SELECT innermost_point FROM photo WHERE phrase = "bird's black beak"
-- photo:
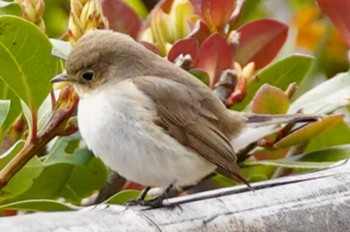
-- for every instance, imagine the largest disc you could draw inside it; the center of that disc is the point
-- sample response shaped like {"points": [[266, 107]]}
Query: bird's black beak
{"points": [[62, 77]]}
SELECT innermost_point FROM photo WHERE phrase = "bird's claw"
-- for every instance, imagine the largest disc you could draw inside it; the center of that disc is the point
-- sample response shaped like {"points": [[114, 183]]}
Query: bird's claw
{"points": [[134, 202], [153, 203]]}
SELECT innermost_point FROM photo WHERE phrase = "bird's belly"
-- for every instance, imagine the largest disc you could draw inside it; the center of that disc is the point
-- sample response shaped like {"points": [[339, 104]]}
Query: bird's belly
{"points": [[121, 131]]}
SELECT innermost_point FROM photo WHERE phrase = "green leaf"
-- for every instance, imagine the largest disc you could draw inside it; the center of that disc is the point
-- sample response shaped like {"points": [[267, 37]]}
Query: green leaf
{"points": [[270, 100], [26, 61], [15, 107], [280, 74], [122, 197], [65, 150], [39, 205], [73, 176], [4, 109], [27, 113], [10, 8], [222, 181], [82, 166], [45, 112], [46, 185], [288, 163], [309, 131], [330, 154], [257, 172], [23, 180], [313, 160], [300, 4], [330, 138], [10, 153], [179, 17], [84, 179], [325, 97], [201, 75]]}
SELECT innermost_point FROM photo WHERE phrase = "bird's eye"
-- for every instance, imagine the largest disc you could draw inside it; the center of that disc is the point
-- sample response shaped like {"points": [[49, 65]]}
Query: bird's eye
{"points": [[88, 75]]}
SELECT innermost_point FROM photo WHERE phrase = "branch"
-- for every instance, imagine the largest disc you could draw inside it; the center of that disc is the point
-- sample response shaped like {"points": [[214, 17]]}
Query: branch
{"points": [[316, 201], [55, 126]]}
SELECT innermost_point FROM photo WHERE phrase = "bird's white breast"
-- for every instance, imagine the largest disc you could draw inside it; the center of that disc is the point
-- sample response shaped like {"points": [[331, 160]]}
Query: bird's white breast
{"points": [[117, 124]]}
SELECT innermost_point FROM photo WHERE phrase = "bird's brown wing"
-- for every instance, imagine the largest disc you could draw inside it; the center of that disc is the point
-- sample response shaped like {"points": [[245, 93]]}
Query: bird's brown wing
{"points": [[185, 114]]}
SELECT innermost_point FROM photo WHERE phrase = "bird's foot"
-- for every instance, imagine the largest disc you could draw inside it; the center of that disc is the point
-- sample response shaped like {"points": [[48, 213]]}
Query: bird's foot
{"points": [[134, 202], [156, 202], [140, 199], [153, 203]]}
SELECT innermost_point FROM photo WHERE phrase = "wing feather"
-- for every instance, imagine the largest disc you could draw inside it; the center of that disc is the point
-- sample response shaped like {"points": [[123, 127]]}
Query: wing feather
{"points": [[187, 115]]}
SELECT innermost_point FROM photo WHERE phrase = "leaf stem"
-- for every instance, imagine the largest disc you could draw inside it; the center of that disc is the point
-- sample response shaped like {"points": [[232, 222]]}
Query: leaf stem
{"points": [[34, 129]]}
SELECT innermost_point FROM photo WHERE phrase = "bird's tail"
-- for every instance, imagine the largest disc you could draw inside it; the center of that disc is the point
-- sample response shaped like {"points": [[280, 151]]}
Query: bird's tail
{"points": [[261, 125], [272, 119]]}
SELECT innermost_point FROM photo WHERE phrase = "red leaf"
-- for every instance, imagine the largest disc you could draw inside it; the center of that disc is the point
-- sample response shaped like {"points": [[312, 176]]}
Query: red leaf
{"points": [[259, 41], [196, 6], [270, 100], [217, 12], [338, 12], [150, 47], [133, 185], [214, 56], [200, 31], [184, 46], [10, 212], [121, 17], [165, 5]]}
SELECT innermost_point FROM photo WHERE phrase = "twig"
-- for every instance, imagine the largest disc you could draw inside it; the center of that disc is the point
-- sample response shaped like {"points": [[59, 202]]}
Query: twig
{"points": [[55, 126]]}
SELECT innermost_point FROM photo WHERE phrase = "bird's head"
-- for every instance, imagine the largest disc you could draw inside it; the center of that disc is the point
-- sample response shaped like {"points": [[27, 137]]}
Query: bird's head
{"points": [[103, 56]]}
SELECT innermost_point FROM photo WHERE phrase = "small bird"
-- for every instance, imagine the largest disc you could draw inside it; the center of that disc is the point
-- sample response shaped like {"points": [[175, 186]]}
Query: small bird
{"points": [[148, 119]]}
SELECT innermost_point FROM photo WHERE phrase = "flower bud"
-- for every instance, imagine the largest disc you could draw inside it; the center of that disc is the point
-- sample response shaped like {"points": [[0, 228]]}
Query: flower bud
{"points": [[33, 10], [85, 15]]}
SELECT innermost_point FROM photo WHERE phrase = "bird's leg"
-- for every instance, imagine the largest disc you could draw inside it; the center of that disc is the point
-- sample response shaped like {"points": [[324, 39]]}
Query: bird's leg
{"points": [[158, 201], [140, 198]]}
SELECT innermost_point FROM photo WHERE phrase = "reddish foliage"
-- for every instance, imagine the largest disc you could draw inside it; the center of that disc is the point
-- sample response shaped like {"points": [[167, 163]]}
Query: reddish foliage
{"points": [[121, 17], [196, 6], [10, 212], [214, 56], [201, 31], [165, 5], [338, 12], [237, 96], [133, 185], [185, 46], [270, 100], [217, 12], [259, 41], [150, 47]]}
